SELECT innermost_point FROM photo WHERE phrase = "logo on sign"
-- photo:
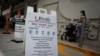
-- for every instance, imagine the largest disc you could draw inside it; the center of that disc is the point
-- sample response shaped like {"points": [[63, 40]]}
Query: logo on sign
{"points": [[42, 19]]}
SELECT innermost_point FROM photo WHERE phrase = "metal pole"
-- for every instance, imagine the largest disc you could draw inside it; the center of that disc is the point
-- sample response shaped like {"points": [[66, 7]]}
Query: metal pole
{"points": [[98, 32], [83, 16], [82, 32], [0, 10], [10, 11], [26, 3], [2, 6]]}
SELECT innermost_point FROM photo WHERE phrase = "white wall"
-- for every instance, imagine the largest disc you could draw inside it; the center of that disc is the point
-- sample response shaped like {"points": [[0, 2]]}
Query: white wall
{"points": [[72, 8], [53, 5], [50, 7], [42, 3], [6, 11]]}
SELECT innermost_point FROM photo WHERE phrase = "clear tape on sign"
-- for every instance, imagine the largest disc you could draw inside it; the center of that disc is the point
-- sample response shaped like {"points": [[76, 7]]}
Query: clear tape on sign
{"points": [[43, 11], [30, 9]]}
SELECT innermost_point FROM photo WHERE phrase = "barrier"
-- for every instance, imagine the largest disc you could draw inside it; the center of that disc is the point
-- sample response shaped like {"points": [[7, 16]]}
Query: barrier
{"points": [[19, 28]]}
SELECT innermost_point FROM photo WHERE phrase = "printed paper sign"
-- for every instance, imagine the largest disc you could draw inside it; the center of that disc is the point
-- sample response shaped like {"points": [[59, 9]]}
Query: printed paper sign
{"points": [[19, 30], [41, 35]]}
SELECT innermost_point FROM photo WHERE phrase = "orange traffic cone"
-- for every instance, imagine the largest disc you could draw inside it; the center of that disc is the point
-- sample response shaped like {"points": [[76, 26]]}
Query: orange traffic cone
{"points": [[7, 25]]}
